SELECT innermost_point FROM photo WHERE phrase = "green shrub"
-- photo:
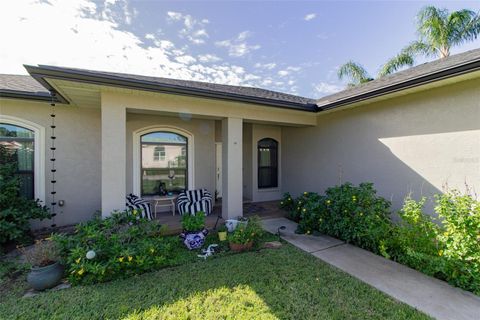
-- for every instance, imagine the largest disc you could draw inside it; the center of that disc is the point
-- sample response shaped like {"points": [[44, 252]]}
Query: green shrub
{"points": [[193, 222], [124, 245], [288, 204], [353, 214], [15, 211], [444, 244], [448, 247], [245, 232], [415, 239], [297, 207]]}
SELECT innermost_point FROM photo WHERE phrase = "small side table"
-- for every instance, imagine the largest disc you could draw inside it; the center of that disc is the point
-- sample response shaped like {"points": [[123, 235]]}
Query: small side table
{"points": [[165, 202]]}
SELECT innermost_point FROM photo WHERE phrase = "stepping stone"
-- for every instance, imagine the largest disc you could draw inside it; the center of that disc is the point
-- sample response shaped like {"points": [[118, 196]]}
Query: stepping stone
{"points": [[272, 245], [32, 293]]}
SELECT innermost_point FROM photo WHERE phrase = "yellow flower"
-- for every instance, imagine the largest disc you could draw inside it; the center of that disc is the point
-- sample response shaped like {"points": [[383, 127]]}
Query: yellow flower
{"points": [[130, 258], [305, 193], [308, 231], [78, 260], [121, 259], [81, 271], [328, 201], [152, 250], [304, 210], [289, 199], [440, 253]]}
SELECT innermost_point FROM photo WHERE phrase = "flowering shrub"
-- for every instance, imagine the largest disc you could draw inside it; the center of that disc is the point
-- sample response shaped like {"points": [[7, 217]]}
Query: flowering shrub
{"points": [[356, 215], [123, 245], [447, 247], [445, 244], [288, 204], [353, 214], [251, 231]]}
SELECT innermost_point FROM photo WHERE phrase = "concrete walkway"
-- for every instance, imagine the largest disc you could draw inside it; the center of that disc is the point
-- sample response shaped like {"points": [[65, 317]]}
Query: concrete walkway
{"points": [[429, 295]]}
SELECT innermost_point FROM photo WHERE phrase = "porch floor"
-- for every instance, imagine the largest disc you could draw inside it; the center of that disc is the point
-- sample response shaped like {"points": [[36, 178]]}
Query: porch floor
{"points": [[265, 210]]}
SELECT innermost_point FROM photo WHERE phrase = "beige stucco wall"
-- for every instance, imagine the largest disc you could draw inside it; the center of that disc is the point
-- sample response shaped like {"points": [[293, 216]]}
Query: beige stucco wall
{"points": [[415, 143], [203, 131], [78, 156]]}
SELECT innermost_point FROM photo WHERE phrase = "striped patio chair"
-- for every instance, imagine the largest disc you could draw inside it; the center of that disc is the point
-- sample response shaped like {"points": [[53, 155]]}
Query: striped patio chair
{"points": [[192, 201], [136, 203]]}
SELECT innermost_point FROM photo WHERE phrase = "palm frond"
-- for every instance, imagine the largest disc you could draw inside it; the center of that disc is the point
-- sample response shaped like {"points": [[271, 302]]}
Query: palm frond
{"points": [[416, 48], [432, 27], [463, 26], [401, 60], [354, 71]]}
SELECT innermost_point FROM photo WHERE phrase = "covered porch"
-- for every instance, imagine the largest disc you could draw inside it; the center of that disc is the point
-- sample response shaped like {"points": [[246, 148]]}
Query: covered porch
{"points": [[232, 150], [265, 210], [228, 140]]}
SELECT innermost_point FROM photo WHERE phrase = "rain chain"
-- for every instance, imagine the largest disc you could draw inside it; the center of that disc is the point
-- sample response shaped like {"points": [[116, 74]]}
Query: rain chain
{"points": [[53, 169]]}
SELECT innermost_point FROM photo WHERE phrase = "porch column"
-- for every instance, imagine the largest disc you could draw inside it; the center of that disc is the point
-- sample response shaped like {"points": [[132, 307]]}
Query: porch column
{"points": [[113, 156], [232, 192]]}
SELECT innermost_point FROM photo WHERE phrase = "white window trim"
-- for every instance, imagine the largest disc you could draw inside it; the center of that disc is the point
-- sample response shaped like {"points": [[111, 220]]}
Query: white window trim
{"points": [[137, 154], [39, 145]]}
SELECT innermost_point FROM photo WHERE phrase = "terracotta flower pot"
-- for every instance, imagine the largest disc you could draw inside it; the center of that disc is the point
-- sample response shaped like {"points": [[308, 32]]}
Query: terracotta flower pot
{"points": [[239, 247]]}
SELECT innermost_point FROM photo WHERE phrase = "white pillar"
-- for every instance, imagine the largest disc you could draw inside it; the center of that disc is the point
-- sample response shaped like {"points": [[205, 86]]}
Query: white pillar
{"points": [[113, 157], [232, 193]]}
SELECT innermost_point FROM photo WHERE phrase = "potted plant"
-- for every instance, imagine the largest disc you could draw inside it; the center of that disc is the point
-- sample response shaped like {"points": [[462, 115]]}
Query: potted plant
{"points": [[46, 271], [222, 233], [194, 231], [245, 235]]}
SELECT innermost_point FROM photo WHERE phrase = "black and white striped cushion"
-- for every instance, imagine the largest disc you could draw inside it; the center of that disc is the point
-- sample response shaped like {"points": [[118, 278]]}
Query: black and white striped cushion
{"points": [[192, 201], [136, 203]]}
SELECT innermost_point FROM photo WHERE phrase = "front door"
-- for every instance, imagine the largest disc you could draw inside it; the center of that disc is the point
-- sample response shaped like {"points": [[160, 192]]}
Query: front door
{"points": [[218, 176]]}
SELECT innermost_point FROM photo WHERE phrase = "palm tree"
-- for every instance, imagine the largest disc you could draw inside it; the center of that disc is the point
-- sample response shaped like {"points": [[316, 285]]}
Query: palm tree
{"points": [[438, 32], [355, 72]]}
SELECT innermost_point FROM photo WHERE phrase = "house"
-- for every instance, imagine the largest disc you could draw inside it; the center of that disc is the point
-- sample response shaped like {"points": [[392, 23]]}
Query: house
{"points": [[415, 131]]}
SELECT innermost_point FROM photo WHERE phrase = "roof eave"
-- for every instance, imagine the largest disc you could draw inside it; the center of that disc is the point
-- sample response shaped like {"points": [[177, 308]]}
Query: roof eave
{"points": [[458, 70], [15, 94], [40, 73]]}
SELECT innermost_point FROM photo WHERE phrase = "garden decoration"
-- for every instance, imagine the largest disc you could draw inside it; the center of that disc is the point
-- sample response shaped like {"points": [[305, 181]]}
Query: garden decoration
{"points": [[194, 231], [208, 252], [222, 233], [194, 240], [53, 168]]}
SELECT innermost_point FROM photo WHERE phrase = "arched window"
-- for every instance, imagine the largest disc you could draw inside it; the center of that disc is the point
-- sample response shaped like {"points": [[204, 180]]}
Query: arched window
{"points": [[163, 163], [267, 163], [21, 144]]}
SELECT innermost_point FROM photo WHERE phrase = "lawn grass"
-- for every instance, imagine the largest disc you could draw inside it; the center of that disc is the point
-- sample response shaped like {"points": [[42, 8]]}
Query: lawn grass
{"points": [[283, 283]]}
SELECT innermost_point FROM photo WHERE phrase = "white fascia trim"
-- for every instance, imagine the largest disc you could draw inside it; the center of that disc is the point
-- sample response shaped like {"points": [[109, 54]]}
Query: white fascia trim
{"points": [[39, 144], [137, 150]]}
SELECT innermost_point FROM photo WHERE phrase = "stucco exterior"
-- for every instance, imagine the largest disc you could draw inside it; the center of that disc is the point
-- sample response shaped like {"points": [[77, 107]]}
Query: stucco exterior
{"points": [[78, 157], [417, 143]]}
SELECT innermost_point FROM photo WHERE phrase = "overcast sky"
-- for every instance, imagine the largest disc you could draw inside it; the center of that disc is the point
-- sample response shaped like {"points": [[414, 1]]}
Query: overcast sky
{"points": [[294, 47]]}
